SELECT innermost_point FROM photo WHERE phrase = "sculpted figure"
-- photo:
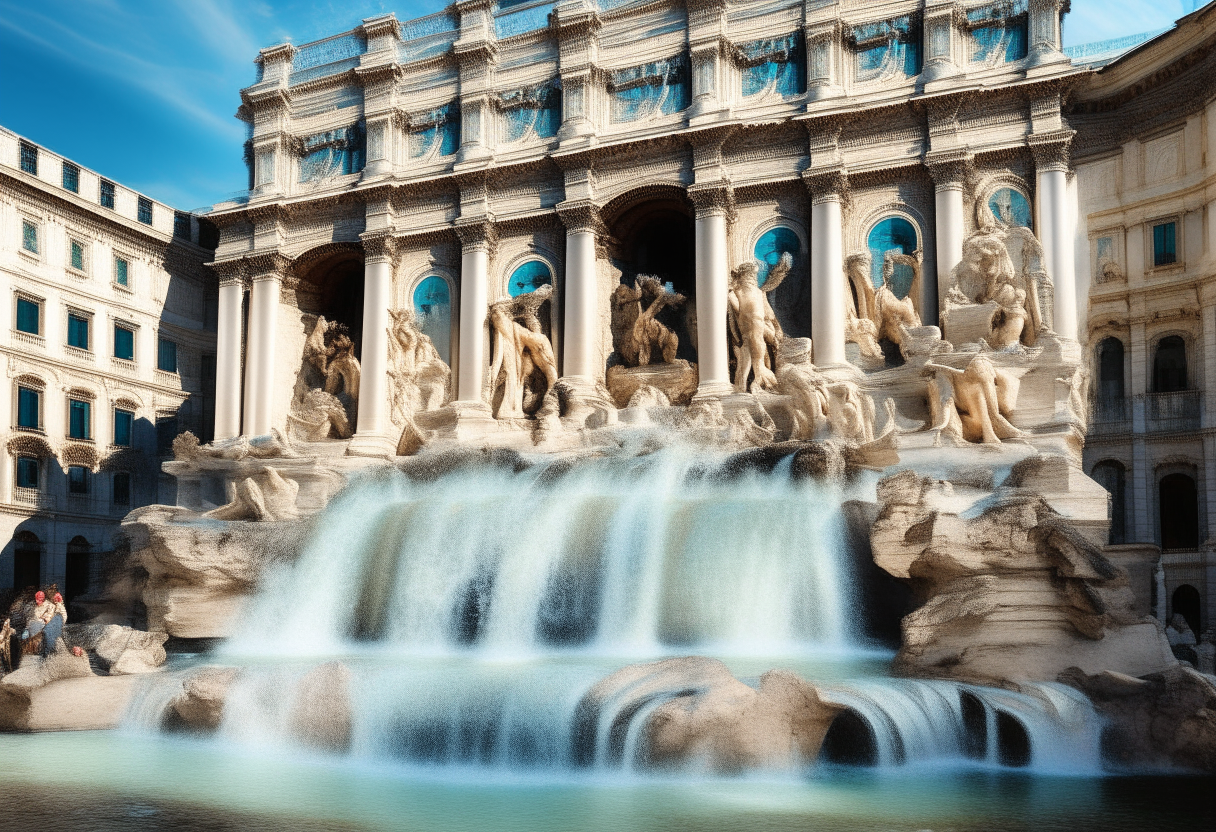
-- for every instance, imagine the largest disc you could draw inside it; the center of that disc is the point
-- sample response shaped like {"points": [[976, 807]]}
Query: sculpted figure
{"points": [[318, 415], [972, 404], [754, 330], [636, 334], [822, 407], [421, 378], [327, 348], [894, 314], [274, 444], [987, 274], [343, 371], [859, 326], [521, 351]]}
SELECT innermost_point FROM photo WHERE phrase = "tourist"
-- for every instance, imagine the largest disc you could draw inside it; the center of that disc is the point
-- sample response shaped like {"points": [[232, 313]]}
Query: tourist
{"points": [[19, 614], [48, 618]]}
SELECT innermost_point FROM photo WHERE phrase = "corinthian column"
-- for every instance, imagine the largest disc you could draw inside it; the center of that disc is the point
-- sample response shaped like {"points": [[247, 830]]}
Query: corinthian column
{"points": [[712, 203], [228, 339], [477, 239], [827, 189], [949, 171], [581, 359], [379, 252], [1056, 222], [268, 276]]}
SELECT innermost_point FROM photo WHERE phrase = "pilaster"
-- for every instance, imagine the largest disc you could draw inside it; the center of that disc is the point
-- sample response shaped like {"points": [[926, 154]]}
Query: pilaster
{"points": [[943, 41], [824, 52], [1043, 35], [576, 27], [379, 71], [476, 52], [708, 48], [266, 105]]}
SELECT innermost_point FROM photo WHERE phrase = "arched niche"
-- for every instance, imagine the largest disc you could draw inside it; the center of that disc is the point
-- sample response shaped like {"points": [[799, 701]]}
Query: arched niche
{"points": [[331, 284], [1170, 365], [1009, 206], [652, 232], [1110, 354], [431, 299], [791, 301], [898, 233], [528, 276]]}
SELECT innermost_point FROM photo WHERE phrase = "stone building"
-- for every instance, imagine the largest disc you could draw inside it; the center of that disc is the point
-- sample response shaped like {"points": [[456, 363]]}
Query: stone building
{"points": [[444, 168], [1145, 160], [109, 351]]}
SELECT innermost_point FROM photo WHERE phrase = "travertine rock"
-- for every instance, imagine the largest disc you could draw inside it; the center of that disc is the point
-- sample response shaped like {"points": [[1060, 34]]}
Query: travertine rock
{"points": [[128, 651], [706, 717], [81, 703], [201, 706], [676, 380], [1013, 594], [200, 570], [321, 714], [1165, 719]]}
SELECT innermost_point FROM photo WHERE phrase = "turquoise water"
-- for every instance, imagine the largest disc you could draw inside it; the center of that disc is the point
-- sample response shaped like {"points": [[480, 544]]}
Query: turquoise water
{"points": [[141, 783]]}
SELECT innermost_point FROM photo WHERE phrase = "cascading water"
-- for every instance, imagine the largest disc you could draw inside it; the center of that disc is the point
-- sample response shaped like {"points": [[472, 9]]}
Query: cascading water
{"points": [[477, 608]]}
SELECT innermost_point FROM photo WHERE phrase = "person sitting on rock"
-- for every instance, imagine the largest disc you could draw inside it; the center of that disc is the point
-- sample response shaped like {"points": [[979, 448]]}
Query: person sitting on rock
{"points": [[48, 619]]}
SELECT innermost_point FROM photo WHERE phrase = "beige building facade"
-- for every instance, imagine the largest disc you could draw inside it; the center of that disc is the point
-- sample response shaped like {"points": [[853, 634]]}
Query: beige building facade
{"points": [[108, 343]]}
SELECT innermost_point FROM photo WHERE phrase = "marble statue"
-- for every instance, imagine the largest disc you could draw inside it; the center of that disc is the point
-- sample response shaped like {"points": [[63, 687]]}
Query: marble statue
{"points": [[821, 407], [874, 315], [972, 404], [894, 315], [329, 349], [637, 335], [326, 412], [318, 416], [860, 303], [996, 294], [274, 444], [755, 333], [523, 355], [268, 496], [420, 377]]}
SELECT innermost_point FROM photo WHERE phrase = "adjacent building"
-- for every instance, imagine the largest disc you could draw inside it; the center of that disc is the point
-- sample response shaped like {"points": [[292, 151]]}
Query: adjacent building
{"points": [[1145, 160], [108, 344]]}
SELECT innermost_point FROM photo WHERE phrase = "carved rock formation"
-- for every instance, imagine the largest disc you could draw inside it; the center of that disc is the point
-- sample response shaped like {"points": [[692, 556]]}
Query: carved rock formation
{"points": [[972, 404], [128, 651], [199, 570], [267, 496], [676, 380], [707, 717], [755, 333], [1014, 594], [200, 707], [523, 355], [186, 447], [637, 336]]}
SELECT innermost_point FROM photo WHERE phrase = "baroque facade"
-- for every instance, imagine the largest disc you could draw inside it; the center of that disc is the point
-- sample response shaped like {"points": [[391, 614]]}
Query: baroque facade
{"points": [[1146, 163], [109, 352], [506, 217]]}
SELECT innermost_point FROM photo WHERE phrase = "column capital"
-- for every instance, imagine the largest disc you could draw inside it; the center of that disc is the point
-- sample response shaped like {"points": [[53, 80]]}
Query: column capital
{"points": [[477, 232], [1051, 150], [949, 169], [712, 198], [580, 215], [827, 184], [230, 273], [379, 247], [269, 266]]}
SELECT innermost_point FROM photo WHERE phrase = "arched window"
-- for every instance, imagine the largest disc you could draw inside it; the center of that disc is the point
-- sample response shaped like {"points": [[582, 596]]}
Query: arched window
{"points": [[1010, 207], [1110, 370], [892, 234], [27, 560], [792, 300], [1186, 602], [1169, 365], [1178, 511], [1111, 475], [76, 575], [528, 277], [433, 308]]}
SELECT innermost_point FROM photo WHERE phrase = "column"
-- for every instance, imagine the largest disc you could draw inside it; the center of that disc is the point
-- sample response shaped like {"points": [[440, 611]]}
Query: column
{"points": [[228, 358], [373, 417], [827, 267], [1056, 226], [263, 321], [476, 239], [949, 172], [581, 357], [713, 282]]}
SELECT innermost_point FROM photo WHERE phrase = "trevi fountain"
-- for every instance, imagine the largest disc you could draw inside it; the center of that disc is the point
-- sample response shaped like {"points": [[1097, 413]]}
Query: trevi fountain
{"points": [[724, 536]]}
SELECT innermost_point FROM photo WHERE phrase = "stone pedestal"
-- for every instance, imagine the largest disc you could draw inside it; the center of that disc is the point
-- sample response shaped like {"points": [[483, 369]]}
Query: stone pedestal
{"points": [[677, 381]]}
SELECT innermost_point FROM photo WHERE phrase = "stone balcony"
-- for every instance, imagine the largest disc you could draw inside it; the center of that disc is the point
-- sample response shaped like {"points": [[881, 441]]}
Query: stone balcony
{"points": [[1173, 412]]}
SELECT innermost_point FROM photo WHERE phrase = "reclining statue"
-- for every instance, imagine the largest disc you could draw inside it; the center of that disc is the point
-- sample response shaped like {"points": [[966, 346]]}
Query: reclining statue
{"points": [[972, 404]]}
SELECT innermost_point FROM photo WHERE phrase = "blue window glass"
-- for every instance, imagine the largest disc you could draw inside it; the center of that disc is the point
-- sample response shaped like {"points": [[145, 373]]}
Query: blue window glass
{"points": [[124, 423], [27, 472], [528, 277], [892, 234], [662, 87], [145, 210], [77, 255], [78, 332], [438, 132], [1165, 244], [121, 269], [122, 489], [29, 158], [29, 236], [1003, 43], [334, 153], [778, 65], [1010, 207], [78, 479], [78, 419], [771, 245], [181, 225], [433, 308], [124, 343], [28, 318], [105, 194], [166, 356], [535, 111], [28, 401], [71, 177]]}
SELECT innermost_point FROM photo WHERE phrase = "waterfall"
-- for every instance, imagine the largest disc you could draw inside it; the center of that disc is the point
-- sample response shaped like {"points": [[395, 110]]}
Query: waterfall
{"points": [[475, 608]]}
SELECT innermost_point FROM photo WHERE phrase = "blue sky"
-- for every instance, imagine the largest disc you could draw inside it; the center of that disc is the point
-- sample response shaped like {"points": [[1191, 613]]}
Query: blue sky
{"points": [[144, 91]]}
